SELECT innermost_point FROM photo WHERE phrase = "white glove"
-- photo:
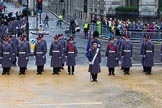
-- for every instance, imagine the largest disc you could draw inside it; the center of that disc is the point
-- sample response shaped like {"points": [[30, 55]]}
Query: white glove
{"points": [[26, 58], [13, 54], [144, 55], [116, 58], [43, 57], [141, 55], [0, 57], [122, 56], [9, 58], [131, 58]]}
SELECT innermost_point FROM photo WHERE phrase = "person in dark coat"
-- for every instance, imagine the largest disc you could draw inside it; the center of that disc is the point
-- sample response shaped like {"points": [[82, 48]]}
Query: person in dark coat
{"points": [[6, 54], [39, 52], [63, 42], [56, 55], [95, 60], [127, 55], [71, 53], [112, 56], [142, 51], [148, 54], [23, 55]]}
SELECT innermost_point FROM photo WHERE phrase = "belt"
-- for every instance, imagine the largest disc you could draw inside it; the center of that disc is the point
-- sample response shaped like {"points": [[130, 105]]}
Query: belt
{"points": [[39, 52], [71, 52], [22, 52], [111, 51], [127, 50], [55, 51], [148, 51], [6, 52]]}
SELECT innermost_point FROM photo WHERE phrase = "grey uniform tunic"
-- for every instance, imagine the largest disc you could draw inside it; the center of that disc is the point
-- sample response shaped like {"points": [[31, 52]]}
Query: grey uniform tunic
{"points": [[127, 54], [112, 55], [71, 52], [55, 52], [23, 55], [6, 55], [95, 67], [149, 54], [39, 52]]}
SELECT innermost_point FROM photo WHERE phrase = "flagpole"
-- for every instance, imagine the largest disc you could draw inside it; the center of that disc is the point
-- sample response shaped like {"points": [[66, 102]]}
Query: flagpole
{"points": [[90, 35]]}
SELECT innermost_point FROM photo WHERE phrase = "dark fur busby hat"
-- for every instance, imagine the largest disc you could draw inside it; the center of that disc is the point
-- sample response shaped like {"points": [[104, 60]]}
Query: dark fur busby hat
{"points": [[95, 34]]}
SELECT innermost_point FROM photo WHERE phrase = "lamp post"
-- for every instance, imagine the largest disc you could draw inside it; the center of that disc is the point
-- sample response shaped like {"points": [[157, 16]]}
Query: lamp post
{"points": [[27, 24]]}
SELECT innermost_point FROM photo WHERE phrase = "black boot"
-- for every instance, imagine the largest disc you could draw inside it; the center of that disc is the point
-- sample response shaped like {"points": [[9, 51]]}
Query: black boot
{"points": [[8, 73], [113, 73]]}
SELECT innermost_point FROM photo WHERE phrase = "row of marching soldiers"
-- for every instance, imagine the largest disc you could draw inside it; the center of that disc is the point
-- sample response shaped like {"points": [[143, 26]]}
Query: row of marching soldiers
{"points": [[12, 48], [120, 49]]}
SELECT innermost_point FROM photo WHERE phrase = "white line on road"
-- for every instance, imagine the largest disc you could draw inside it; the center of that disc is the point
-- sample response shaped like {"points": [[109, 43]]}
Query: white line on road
{"points": [[65, 104]]}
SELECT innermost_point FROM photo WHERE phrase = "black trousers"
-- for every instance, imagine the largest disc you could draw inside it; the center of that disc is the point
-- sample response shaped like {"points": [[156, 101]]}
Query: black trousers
{"points": [[6, 71], [22, 70], [85, 33], [126, 70], [71, 69], [111, 71], [56, 70], [40, 69], [94, 76], [14, 62], [148, 70]]}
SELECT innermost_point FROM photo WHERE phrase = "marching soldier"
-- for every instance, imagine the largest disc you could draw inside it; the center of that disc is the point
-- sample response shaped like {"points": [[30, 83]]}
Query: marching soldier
{"points": [[126, 55], [23, 55], [39, 52], [56, 55], [142, 52], [71, 53], [148, 54], [6, 53], [112, 56], [95, 60]]}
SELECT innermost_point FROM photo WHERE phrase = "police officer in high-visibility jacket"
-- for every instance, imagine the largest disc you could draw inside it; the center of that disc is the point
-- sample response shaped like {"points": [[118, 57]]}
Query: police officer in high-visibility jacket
{"points": [[86, 28], [99, 27], [60, 20]]}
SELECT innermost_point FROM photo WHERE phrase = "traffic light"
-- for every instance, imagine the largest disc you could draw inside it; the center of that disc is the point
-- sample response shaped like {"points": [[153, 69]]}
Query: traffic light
{"points": [[61, 0], [39, 6], [85, 6]]}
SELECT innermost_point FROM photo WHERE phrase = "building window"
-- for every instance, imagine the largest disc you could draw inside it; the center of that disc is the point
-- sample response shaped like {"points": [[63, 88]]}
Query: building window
{"points": [[132, 2]]}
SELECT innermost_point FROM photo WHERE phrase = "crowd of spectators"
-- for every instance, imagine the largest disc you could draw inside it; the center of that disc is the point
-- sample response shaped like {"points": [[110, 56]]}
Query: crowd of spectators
{"points": [[129, 25]]}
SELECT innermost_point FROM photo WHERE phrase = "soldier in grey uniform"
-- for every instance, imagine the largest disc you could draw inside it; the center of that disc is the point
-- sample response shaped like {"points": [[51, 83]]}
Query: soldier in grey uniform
{"points": [[142, 52], [95, 60], [126, 55], [6, 56], [64, 46], [41, 36], [14, 44], [39, 52], [71, 53], [148, 54], [112, 56], [56, 57], [23, 55]]}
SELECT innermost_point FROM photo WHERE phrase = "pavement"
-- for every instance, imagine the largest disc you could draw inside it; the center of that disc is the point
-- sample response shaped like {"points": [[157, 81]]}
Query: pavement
{"points": [[136, 90]]}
